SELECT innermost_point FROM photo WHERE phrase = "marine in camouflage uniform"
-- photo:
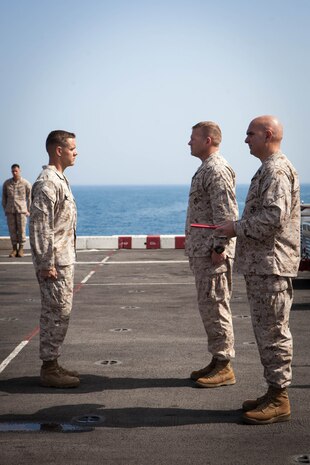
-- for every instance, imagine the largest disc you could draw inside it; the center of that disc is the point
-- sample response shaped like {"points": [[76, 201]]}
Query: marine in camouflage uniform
{"points": [[16, 201], [52, 239], [212, 201], [268, 254]]}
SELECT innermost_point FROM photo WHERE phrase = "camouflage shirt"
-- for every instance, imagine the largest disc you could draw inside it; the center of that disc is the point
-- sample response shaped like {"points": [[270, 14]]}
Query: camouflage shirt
{"points": [[268, 234], [52, 220], [212, 200], [16, 196]]}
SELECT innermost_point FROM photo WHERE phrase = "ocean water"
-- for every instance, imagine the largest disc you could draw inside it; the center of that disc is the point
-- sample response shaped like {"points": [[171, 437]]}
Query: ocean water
{"points": [[127, 210]]}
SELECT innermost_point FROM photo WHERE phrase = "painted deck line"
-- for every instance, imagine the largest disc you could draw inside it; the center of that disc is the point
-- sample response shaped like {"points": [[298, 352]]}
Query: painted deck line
{"points": [[12, 355], [16, 263], [141, 284], [84, 281], [135, 262]]}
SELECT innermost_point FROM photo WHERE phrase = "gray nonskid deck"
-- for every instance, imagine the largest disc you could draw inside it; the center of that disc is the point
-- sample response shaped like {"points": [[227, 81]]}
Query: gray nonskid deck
{"points": [[135, 335]]}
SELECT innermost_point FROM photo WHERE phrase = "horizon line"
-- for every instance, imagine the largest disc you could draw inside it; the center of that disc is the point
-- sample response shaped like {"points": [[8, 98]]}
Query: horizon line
{"points": [[157, 185]]}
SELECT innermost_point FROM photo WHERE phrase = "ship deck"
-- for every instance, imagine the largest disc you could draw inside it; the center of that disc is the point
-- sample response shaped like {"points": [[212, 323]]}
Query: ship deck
{"points": [[135, 335]]}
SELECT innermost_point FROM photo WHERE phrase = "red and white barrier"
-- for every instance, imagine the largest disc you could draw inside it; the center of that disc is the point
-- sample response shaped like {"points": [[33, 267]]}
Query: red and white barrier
{"points": [[131, 242], [117, 242]]}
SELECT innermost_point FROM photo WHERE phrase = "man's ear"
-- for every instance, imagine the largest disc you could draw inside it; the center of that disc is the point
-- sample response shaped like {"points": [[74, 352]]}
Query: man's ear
{"points": [[268, 134], [58, 151]]}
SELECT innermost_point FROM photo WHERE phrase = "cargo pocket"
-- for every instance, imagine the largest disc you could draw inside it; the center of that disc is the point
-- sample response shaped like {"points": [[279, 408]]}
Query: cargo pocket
{"points": [[277, 284]]}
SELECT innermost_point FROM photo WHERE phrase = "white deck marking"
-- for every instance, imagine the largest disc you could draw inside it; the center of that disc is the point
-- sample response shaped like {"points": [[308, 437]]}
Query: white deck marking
{"points": [[133, 262], [142, 284], [84, 281], [148, 262], [12, 355], [16, 263]]}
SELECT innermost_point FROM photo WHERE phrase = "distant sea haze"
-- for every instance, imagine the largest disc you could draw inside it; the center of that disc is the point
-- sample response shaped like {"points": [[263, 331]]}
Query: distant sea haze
{"points": [[127, 210]]}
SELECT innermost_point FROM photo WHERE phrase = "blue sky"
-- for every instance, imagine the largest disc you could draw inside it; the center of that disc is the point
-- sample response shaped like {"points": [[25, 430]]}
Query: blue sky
{"points": [[131, 78]]}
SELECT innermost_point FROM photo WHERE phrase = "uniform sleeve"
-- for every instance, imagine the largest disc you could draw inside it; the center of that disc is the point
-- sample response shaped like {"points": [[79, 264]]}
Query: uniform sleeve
{"points": [[42, 226], [222, 196], [28, 196], [4, 196], [223, 203], [273, 212]]}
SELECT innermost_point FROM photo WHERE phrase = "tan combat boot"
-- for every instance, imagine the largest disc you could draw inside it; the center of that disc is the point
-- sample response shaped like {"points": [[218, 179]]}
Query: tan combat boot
{"points": [[64, 371], [20, 252], [13, 252], [203, 371], [275, 408], [52, 376], [251, 404], [221, 375]]}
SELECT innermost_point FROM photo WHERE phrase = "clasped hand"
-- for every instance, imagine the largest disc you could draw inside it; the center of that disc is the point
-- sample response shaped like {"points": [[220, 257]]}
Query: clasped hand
{"points": [[49, 274]]}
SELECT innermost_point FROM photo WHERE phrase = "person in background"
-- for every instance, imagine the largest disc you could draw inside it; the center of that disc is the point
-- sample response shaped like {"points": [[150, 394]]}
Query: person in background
{"points": [[268, 254], [212, 200], [16, 201], [52, 239]]}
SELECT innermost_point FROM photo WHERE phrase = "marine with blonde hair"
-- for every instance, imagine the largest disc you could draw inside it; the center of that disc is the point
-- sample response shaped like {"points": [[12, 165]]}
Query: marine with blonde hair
{"points": [[212, 200]]}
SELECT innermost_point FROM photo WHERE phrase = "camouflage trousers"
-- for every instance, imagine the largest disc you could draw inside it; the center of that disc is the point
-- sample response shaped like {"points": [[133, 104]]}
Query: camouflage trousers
{"points": [[17, 227], [270, 298], [214, 293], [56, 305]]}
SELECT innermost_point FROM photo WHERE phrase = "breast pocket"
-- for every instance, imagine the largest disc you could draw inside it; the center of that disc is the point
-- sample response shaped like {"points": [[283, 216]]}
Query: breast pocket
{"points": [[67, 211]]}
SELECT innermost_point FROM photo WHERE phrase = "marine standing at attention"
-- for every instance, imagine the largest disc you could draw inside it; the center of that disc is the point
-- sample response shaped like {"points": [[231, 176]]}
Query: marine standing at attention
{"points": [[52, 240], [212, 201], [16, 201], [268, 254]]}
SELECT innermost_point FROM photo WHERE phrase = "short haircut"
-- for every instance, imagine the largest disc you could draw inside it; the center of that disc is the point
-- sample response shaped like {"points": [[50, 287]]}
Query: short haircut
{"points": [[58, 137], [212, 130], [15, 165]]}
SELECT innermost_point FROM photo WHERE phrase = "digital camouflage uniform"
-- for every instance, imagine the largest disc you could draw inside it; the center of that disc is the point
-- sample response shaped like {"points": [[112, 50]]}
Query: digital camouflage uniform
{"points": [[268, 254], [212, 201], [52, 239], [16, 201]]}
